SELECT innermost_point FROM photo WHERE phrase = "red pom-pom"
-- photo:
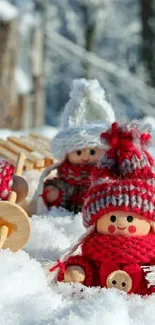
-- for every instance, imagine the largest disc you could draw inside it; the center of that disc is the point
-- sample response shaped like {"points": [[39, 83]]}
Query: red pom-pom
{"points": [[121, 142], [145, 139]]}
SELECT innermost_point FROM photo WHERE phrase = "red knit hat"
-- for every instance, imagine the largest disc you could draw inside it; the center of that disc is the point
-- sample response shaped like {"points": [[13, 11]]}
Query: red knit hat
{"points": [[6, 179], [124, 179]]}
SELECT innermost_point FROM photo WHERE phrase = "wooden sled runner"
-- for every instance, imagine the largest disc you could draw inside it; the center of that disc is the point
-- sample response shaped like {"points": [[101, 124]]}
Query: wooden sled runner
{"points": [[14, 221]]}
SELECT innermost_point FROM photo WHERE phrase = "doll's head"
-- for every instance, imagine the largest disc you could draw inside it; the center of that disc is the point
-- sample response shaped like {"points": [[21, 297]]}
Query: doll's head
{"points": [[85, 156], [123, 223], [121, 199], [85, 116]]}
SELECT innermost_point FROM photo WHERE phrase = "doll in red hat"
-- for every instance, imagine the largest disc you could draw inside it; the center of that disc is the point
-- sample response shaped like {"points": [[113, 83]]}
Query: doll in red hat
{"points": [[119, 212]]}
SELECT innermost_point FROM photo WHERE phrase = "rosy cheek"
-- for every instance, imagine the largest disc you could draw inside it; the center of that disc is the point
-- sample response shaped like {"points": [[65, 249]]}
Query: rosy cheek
{"points": [[132, 229], [111, 229]]}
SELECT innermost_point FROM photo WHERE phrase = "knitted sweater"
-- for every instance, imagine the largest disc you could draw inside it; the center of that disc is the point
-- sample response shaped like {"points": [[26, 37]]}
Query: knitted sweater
{"points": [[103, 254], [72, 182]]}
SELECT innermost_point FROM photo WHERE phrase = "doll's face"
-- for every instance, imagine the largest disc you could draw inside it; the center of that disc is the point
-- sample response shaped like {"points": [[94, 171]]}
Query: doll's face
{"points": [[86, 156], [123, 224]]}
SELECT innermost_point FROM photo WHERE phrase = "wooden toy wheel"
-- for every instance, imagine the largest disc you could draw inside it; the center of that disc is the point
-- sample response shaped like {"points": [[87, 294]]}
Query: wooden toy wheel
{"points": [[14, 221]]}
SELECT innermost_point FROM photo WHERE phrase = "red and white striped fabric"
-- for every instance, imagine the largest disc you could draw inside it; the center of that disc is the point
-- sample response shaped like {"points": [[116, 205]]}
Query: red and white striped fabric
{"points": [[6, 179], [125, 177]]}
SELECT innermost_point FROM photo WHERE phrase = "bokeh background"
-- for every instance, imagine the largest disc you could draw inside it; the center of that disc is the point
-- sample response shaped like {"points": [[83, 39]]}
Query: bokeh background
{"points": [[45, 44]]}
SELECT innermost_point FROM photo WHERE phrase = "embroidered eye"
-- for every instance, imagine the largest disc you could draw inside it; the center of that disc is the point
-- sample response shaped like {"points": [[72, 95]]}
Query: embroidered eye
{"points": [[113, 218], [79, 152], [92, 152], [129, 218]]}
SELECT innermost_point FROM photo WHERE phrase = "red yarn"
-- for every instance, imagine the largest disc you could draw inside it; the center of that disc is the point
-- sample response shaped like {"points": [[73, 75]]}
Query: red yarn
{"points": [[6, 179], [130, 187], [59, 265], [75, 173], [124, 179], [102, 254], [72, 181], [57, 202], [121, 143]]}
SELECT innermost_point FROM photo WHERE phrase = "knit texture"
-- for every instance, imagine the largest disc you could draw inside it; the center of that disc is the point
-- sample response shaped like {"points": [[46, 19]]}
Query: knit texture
{"points": [[85, 116], [6, 179], [102, 254], [72, 181], [124, 179]]}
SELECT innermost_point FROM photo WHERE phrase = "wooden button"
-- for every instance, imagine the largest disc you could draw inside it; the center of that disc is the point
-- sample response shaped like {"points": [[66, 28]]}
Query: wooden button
{"points": [[119, 280]]}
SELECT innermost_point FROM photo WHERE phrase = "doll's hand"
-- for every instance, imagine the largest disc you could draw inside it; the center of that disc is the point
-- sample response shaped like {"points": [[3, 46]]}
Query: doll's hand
{"points": [[20, 186], [51, 193], [74, 274]]}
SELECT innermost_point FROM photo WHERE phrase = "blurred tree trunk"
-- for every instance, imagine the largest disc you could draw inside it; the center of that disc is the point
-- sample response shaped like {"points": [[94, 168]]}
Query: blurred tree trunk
{"points": [[148, 35], [90, 33], [8, 59]]}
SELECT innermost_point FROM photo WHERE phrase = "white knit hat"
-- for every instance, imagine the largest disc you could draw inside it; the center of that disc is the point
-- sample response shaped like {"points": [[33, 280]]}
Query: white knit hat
{"points": [[85, 116]]}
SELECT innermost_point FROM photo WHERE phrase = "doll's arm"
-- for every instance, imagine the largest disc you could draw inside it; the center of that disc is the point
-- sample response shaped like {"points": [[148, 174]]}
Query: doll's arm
{"points": [[77, 269], [53, 191]]}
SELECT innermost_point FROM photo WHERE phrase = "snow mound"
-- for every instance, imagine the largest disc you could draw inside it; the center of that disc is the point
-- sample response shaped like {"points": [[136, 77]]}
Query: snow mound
{"points": [[7, 11], [53, 234], [27, 300], [25, 297]]}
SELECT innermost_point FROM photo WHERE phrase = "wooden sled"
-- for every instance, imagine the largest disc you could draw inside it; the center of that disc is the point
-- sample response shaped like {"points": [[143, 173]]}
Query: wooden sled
{"points": [[14, 221], [35, 147]]}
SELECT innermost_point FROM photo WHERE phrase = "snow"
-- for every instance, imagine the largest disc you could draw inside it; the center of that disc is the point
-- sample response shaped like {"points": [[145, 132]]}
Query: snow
{"points": [[24, 83], [47, 131], [7, 11], [26, 299]]}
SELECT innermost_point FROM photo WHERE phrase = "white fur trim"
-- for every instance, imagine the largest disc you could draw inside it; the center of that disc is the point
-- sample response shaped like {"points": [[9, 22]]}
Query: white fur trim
{"points": [[87, 136], [150, 274]]}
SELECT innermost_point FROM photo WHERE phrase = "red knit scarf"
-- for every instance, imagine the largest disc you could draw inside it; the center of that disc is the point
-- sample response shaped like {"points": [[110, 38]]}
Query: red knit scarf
{"points": [[120, 249], [75, 174]]}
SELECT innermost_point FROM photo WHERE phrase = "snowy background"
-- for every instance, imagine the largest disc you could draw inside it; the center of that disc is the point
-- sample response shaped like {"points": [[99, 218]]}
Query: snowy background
{"points": [[99, 39], [112, 41]]}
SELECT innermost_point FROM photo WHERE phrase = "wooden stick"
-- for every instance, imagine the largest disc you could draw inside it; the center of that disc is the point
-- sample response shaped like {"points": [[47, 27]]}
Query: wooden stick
{"points": [[3, 235], [20, 164], [19, 169], [12, 197]]}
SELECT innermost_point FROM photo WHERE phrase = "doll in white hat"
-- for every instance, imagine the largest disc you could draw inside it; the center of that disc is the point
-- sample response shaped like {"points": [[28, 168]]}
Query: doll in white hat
{"points": [[77, 147]]}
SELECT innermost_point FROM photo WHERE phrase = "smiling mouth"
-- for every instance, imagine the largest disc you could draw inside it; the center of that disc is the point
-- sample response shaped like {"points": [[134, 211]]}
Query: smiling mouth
{"points": [[121, 228], [85, 160]]}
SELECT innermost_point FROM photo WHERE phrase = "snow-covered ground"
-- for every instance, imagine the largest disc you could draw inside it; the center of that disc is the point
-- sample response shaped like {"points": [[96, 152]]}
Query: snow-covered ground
{"points": [[26, 299]]}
